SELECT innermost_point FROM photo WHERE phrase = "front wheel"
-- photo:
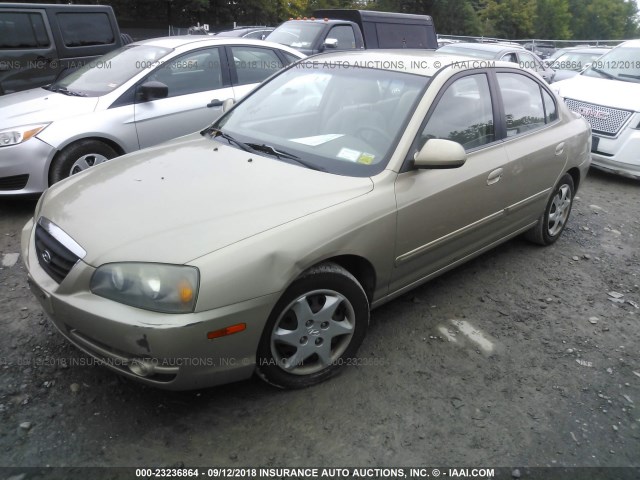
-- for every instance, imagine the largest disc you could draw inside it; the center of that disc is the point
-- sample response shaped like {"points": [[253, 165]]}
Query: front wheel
{"points": [[78, 157], [552, 222], [314, 329]]}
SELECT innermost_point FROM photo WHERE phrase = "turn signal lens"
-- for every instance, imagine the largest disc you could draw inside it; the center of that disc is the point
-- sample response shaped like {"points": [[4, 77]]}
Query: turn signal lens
{"points": [[230, 330]]}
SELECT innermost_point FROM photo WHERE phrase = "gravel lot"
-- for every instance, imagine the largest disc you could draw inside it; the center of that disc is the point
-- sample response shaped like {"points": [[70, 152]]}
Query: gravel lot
{"points": [[522, 357]]}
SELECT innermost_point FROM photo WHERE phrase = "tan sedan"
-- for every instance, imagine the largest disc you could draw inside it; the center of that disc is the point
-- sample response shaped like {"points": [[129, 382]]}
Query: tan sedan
{"points": [[262, 243]]}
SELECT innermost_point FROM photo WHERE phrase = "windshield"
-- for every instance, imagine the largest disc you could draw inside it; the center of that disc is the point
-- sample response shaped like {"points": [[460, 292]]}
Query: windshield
{"points": [[296, 35], [621, 63], [108, 72], [340, 119], [574, 61]]}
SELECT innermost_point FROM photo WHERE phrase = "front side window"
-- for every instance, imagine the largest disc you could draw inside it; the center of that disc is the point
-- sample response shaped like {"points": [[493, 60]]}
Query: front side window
{"points": [[344, 35], [193, 72], [522, 99], [463, 114], [20, 30], [83, 29], [254, 64]]}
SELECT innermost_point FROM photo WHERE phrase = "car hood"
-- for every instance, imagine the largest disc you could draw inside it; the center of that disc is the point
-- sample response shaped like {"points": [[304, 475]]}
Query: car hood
{"points": [[601, 91], [189, 197], [39, 105]]}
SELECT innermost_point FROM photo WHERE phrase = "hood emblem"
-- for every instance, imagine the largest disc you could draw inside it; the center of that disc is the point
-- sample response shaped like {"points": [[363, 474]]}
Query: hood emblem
{"points": [[46, 256], [593, 113]]}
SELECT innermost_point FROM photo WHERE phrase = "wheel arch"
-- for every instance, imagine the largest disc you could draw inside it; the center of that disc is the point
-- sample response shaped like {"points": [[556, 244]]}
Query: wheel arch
{"points": [[359, 267], [575, 176]]}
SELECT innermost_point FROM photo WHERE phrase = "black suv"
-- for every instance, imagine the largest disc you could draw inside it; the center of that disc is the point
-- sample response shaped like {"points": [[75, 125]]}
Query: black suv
{"points": [[39, 42]]}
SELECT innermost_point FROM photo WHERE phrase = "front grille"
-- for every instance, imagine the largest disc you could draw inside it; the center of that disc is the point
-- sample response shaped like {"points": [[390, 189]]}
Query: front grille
{"points": [[603, 120], [54, 258], [16, 182]]}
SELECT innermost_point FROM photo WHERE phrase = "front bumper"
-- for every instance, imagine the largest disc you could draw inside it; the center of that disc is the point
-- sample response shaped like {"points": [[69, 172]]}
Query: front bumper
{"points": [[162, 350], [24, 168], [619, 155]]}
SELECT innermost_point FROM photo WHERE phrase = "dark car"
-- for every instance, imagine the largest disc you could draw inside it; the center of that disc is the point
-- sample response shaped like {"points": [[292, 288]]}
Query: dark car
{"points": [[574, 60], [39, 43], [258, 33], [500, 51]]}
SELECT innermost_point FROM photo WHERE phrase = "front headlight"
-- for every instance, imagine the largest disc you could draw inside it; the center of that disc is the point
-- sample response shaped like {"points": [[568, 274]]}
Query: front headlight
{"points": [[16, 135], [151, 286]]}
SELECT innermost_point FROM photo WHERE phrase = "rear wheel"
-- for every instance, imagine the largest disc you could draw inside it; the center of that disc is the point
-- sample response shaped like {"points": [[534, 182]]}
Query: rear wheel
{"points": [[552, 222], [314, 329], [79, 156]]}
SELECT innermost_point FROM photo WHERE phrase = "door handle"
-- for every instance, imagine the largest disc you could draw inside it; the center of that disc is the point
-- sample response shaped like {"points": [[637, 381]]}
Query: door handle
{"points": [[494, 176], [560, 148], [214, 103]]}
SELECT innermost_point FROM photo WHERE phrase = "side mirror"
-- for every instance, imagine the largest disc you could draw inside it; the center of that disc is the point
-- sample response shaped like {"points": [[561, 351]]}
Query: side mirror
{"points": [[330, 43], [439, 153], [153, 90], [227, 104]]}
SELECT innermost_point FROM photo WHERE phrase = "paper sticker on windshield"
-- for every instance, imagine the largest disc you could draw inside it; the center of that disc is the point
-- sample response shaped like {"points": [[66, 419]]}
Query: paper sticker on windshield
{"points": [[317, 139], [348, 154], [366, 158]]}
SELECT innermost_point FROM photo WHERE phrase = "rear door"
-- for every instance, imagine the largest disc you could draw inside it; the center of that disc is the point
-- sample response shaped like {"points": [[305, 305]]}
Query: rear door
{"points": [[28, 56], [198, 82]]}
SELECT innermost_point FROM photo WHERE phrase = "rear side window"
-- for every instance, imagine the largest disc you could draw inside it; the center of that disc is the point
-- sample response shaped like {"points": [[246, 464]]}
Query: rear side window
{"points": [[22, 30], [254, 64], [522, 99], [84, 29], [394, 35], [550, 109]]}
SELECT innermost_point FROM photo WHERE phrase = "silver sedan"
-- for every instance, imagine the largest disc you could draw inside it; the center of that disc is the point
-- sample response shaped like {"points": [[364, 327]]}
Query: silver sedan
{"points": [[140, 95], [261, 243]]}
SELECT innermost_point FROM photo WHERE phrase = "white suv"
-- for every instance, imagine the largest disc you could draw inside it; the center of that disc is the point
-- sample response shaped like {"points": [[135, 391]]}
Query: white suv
{"points": [[607, 94]]}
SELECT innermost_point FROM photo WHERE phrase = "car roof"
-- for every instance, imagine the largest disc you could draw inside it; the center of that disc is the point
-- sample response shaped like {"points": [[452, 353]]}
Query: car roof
{"points": [[631, 43], [211, 40], [486, 47], [417, 61]]}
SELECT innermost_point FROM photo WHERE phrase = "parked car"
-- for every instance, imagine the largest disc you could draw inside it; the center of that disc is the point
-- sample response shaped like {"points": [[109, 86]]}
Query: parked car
{"points": [[258, 33], [40, 42], [500, 51], [142, 94], [574, 61], [607, 94], [541, 49], [345, 29], [262, 242]]}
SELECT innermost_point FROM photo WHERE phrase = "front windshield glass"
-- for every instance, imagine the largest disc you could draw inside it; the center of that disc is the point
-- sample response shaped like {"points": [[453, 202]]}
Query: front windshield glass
{"points": [[341, 119], [108, 72], [295, 35], [621, 63]]}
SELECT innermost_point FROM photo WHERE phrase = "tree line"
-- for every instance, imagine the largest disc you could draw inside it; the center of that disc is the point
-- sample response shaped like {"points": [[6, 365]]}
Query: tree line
{"points": [[516, 19]]}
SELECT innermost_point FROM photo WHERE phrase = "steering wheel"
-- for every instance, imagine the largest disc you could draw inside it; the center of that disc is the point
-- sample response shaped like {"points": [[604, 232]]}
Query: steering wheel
{"points": [[374, 136]]}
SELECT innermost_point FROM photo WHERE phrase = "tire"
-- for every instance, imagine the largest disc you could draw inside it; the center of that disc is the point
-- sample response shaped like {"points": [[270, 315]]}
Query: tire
{"points": [[299, 352], [78, 157], [552, 222]]}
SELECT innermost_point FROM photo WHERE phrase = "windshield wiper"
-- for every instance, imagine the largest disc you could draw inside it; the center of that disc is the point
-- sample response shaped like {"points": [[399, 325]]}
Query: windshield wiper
{"points": [[268, 149], [216, 132], [602, 72], [66, 91], [626, 75]]}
